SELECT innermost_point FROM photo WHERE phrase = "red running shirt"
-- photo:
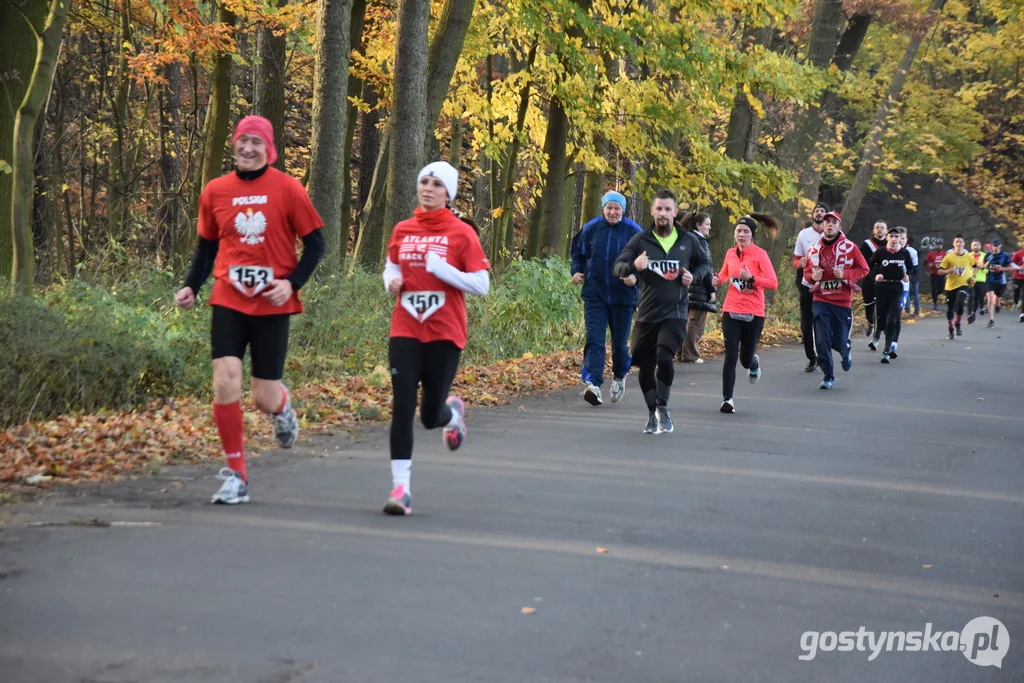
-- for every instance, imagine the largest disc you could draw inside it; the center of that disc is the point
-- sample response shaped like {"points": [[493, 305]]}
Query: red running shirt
{"points": [[1018, 258], [257, 223], [429, 309]]}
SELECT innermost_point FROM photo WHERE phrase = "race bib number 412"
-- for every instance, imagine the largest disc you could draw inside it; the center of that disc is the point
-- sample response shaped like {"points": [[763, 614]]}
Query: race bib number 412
{"points": [[831, 285], [422, 305], [250, 280]]}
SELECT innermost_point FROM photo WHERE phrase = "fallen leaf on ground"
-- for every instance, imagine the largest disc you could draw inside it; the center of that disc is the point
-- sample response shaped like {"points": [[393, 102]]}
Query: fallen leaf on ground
{"points": [[528, 610]]}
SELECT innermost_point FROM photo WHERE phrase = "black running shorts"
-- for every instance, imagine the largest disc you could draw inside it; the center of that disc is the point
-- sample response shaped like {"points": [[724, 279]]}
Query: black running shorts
{"points": [[647, 337], [998, 288], [265, 335]]}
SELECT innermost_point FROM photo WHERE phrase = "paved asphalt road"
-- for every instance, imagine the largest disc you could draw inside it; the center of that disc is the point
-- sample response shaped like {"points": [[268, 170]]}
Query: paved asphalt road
{"points": [[895, 501]]}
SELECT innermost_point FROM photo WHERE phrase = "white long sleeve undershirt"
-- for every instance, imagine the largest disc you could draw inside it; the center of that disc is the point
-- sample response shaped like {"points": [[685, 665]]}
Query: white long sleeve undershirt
{"points": [[478, 283]]}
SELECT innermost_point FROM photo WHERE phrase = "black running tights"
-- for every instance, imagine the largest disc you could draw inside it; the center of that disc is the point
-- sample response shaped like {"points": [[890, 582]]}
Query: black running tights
{"points": [[889, 310], [955, 300], [432, 364], [741, 339]]}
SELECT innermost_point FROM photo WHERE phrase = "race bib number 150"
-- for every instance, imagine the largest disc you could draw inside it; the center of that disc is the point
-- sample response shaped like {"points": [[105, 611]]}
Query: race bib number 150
{"points": [[422, 305], [250, 280]]}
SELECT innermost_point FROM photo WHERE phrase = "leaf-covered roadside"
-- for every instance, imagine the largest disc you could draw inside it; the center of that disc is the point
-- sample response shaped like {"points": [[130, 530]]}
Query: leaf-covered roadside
{"points": [[104, 446]]}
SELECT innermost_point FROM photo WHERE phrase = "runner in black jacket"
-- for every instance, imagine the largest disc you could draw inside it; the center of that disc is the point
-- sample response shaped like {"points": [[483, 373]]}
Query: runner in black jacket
{"points": [[666, 261], [890, 268]]}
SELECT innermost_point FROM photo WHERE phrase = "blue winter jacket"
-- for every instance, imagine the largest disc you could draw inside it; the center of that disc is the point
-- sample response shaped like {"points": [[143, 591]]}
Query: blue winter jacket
{"points": [[594, 249]]}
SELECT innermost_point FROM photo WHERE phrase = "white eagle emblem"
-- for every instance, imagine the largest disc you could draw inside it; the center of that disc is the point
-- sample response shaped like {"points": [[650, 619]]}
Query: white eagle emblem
{"points": [[251, 226]]}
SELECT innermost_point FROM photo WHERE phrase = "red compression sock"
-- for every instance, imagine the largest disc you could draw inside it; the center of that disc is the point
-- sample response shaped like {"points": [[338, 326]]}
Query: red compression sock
{"points": [[228, 417]]}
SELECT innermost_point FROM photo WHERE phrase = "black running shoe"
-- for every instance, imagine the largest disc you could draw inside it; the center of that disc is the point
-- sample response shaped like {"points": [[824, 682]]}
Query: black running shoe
{"points": [[950, 336], [813, 365], [665, 420], [991, 323], [959, 332], [873, 345], [871, 328], [652, 425], [893, 354], [971, 318], [885, 357]]}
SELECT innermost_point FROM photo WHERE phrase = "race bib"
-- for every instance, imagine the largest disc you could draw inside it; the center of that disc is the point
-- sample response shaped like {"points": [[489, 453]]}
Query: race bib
{"points": [[422, 305], [959, 271], [741, 285], [831, 285], [667, 269], [250, 280]]}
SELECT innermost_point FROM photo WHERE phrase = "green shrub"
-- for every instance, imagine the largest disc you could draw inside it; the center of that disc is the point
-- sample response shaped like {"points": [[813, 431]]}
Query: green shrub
{"points": [[55, 364], [81, 347]]}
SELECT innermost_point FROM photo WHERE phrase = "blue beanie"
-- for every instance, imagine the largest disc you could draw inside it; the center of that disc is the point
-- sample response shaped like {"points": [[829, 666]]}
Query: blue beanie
{"points": [[613, 196]]}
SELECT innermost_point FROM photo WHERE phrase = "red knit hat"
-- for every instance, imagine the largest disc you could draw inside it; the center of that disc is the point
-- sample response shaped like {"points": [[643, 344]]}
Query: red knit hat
{"points": [[257, 125]]}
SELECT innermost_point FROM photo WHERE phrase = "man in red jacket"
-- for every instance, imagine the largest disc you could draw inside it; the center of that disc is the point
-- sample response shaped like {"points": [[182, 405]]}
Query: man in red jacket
{"points": [[833, 267]]}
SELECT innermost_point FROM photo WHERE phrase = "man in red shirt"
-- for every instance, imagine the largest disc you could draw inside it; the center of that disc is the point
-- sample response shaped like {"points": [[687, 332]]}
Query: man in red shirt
{"points": [[834, 265], [249, 221], [1017, 263], [938, 282]]}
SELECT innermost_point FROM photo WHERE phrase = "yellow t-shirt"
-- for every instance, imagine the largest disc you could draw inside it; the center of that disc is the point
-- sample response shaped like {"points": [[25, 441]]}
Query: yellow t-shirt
{"points": [[962, 269]]}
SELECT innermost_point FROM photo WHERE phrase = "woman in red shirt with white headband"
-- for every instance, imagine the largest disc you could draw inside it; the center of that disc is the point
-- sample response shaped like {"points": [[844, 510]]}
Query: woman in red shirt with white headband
{"points": [[748, 271], [434, 259]]}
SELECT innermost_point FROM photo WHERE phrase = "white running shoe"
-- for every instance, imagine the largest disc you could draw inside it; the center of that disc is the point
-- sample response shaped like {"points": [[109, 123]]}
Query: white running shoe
{"points": [[754, 373], [232, 491], [728, 406], [618, 389], [592, 395], [286, 427]]}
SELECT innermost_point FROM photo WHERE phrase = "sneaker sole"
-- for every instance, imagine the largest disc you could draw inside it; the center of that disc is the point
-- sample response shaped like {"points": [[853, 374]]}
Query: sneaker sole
{"points": [[728, 409], [667, 431], [234, 501], [885, 361], [592, 398], [754, 379], [394, 508]]}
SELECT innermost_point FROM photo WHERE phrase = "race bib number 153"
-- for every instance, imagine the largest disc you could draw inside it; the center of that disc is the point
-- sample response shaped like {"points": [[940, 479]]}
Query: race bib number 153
{"points": [[422, 305], [250, 280]]}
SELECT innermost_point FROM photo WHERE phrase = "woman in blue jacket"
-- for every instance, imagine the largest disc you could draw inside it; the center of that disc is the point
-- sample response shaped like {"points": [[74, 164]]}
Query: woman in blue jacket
{"points": [[608, 301]]}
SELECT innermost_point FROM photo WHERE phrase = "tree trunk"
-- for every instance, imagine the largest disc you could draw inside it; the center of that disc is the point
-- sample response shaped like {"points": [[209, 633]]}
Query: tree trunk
{"points": [[357, 21], [795, 148], [553, 218], [740, 140], [330, 113], [269, 83], [117, 197], [369, 144], [18, 49], [445, 49], [801, 147], [377, 217], [873, 142], [170, 214], [408, 112], [47, 53], [502, 197], [218, 113], [455, 146]]}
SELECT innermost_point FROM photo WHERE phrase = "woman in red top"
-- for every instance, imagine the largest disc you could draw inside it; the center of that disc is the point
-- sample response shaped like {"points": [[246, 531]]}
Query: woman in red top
{"points": [[249, 221], [748, 271], [434, 259]]}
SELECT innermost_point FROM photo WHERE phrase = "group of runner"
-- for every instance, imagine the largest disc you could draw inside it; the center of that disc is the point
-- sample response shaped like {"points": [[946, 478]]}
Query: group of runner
{"points": [[975, 281], [250, 220]]}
